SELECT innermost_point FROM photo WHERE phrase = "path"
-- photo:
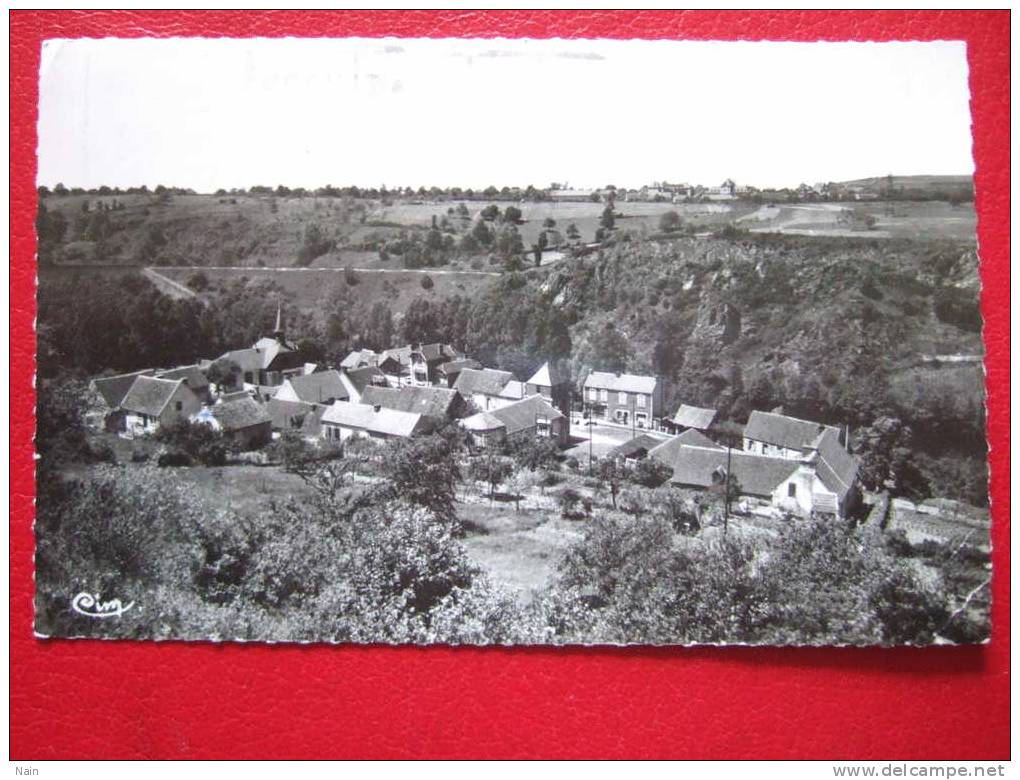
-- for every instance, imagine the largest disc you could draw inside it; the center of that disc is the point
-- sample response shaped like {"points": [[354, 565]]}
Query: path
{"points": [[167, 285], [331, 269]]}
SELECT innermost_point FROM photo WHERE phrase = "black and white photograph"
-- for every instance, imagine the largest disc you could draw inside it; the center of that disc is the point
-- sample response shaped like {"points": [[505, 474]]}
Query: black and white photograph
{"points": [[509, 341]]}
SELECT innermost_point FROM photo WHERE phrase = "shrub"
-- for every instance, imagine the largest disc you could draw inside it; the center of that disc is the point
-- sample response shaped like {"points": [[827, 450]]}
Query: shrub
{"points": [[174, 458]]}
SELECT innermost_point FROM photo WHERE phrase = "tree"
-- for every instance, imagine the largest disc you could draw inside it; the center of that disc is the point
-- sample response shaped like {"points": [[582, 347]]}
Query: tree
{"points": [[549, 223], [670, 221], [512, 215], [612, 475], [611, 349], [490, 212], [572, 232], [608, 218], [223, 373]]}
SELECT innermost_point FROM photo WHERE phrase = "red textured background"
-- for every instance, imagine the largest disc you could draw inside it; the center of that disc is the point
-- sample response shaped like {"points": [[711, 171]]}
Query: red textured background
{"points": [[87, 699]]}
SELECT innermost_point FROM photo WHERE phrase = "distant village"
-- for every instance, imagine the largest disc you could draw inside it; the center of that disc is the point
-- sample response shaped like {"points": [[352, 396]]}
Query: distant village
{"points": [[252, 395]]}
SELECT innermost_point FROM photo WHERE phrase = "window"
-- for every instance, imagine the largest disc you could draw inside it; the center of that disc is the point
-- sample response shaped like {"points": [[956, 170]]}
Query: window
{"points": [[604, 394], [641, 401], [791, 490], [178, 405], [593, 394], [622, 398]]}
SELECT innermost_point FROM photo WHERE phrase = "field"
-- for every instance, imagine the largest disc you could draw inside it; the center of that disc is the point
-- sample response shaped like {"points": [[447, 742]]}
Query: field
{"points": [[643, 217], [905, 219]]}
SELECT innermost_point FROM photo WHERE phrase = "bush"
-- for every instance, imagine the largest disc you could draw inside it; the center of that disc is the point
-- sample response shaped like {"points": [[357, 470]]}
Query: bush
{"points": [[426, 282], [199, 441], [174, 458]]}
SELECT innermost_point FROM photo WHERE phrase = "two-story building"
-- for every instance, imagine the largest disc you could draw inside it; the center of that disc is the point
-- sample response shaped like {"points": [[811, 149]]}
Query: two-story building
{"points": [[627, 399]]}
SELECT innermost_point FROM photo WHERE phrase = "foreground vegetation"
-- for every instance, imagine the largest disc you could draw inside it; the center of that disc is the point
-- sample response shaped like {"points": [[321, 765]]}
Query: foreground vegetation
{"points": [[373, 547]]}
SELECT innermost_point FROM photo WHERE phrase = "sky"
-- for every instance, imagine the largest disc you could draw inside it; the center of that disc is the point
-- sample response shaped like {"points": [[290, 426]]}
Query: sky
{"points": [[212, 113]]}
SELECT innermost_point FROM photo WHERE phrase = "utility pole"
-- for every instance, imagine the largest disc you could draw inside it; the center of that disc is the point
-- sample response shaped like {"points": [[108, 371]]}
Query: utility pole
{"points": [[726, 496]]}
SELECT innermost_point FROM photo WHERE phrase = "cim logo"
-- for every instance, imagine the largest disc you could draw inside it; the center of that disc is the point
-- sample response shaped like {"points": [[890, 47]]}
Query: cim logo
{"points": [[90, 605]]}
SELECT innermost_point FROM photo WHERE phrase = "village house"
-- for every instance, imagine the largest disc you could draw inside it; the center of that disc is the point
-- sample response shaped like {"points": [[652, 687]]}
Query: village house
{"points": [[105, 394], [268, 363], [552, 382], [488, 388], [193, 377], [623, 398], [532, 417], [634, 449], [447, 373], [412, 364], [355, 380], [244, 422], [821, 479], [696, 417], [289, 415], [770, 433], [324, 387], [438, 404], [344, 419], [151, 403]]}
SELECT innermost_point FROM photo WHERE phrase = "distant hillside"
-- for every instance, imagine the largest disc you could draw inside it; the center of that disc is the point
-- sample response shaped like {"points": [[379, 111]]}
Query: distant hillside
{"points": [[915, 184]]}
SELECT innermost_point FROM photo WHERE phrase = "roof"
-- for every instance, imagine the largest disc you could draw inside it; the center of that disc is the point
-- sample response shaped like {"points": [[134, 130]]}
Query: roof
{"points": [[694, 417], [149, 395], [320, 388], [627, 383], [549, 376], [483, 421], [240, 414], [435, 402], [373, 419], [192, 376], [360, 378], [514, 389], [283, 412], [783, 431], [836, 467], [249, 359], [433, 352], [756, 475], [455, 366], [360, 357], [483, 381], [524, 414], [233, 396], [637, 447], [114, 388], [666, 451]]}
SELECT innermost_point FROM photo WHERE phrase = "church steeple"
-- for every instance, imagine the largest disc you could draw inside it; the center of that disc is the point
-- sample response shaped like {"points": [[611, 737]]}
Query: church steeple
{"points": [[278, 333]]}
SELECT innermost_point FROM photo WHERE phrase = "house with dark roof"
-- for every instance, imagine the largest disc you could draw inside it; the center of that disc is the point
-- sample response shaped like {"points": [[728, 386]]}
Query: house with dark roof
{"points": [[439, 404], [193, 377], [528, 418], [447, 373], [344, 419], [488, 388], [151, 403], [355, 380], [287, 415], [246, 423], [416, 364], [636, 448], [769, 433], [323, 387], [694, 417], [623, 398], [822, 480], [105, 393]]}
